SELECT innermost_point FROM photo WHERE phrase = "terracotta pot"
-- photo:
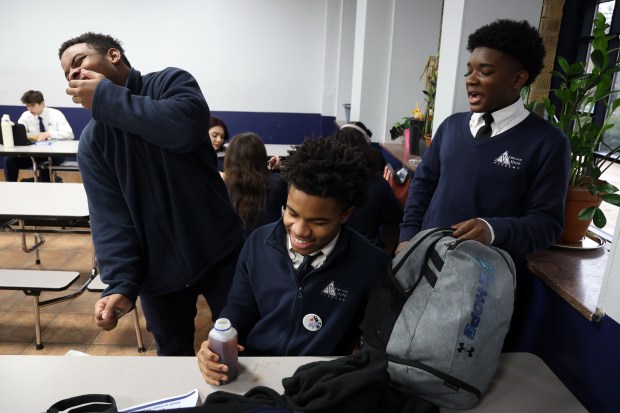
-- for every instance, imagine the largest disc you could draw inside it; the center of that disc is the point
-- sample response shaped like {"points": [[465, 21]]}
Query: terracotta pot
{"points": [[427, 140], [576, 200]]}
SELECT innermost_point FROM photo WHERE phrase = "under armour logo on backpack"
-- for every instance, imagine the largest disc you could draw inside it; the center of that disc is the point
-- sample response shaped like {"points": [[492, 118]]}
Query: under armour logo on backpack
{"points": [[469, 351]]}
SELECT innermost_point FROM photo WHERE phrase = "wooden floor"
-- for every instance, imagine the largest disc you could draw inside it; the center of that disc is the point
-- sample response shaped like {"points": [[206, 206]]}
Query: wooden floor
{"points": [[68, 325]]}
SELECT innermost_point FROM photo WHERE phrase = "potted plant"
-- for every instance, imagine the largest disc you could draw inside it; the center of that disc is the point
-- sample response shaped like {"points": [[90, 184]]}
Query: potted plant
{"points": [[582, 87], [422, 120], [411, 128], [430, 88]]}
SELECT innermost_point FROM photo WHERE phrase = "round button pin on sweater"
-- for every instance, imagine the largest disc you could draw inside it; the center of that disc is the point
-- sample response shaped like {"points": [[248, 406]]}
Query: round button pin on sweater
{"points": [[312, 322]]}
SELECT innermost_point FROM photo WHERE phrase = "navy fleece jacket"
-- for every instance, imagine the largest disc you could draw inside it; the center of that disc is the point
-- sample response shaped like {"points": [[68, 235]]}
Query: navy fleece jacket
{"points": [[270, 309], [160, 213]]}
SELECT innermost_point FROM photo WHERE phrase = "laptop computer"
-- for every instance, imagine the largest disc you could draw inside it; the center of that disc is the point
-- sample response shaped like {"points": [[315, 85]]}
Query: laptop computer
{"points": [[20, 137]]}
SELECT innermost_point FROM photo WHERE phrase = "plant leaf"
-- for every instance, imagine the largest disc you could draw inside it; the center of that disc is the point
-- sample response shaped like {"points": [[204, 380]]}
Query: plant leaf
{"points": [[576, 69], [598, 57], [606, 188], [613, 199], [586, 214], [599, 218], [563, 64]]}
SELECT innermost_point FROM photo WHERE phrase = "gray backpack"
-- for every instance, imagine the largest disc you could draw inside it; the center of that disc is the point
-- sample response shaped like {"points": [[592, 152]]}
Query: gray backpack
{"points": [[441, 313]]}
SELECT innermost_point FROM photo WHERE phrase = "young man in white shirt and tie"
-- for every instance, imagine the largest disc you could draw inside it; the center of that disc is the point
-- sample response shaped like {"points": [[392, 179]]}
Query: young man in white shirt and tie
{"points": [[44, 123]]}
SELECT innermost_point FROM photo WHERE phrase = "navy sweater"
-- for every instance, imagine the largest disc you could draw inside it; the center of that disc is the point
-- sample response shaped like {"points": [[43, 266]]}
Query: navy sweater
{"points": [[159, 211], [381, 208], [267, 305], [516, 181]]}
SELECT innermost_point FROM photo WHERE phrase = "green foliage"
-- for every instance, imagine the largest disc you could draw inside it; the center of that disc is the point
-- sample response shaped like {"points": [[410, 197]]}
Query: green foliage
{"points": [[399, 128], [578, 93], [430, 89]]}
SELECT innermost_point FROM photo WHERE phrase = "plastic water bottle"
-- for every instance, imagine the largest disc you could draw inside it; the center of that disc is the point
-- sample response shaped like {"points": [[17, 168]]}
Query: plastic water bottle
{"points": [[223, 342], [7, 131]]}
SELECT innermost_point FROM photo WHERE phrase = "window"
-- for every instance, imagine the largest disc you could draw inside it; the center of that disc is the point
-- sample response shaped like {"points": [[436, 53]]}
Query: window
{"points": [[575, 44], [611, 139]]}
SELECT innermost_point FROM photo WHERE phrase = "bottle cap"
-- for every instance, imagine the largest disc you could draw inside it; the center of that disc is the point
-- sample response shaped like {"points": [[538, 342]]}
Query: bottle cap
{"points": [[222, 324]]}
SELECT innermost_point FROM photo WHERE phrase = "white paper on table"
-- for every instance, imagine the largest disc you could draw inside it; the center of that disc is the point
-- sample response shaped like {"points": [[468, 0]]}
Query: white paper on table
{"points": [[186, 400]]}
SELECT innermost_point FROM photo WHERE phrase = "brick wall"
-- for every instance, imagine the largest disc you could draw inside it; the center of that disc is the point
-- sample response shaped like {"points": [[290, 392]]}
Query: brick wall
{"points": [[550, 21]]}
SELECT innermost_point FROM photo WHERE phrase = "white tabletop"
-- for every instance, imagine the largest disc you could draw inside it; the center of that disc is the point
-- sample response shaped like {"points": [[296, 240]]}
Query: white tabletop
{"points": [[96, 284], [524, 383], [54, 148], [42, 200], [33, 383], [37, 280], [278, 150]]}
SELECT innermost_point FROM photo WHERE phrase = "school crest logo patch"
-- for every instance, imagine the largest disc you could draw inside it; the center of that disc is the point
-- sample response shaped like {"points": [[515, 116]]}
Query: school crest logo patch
{"points": [[334, 292], [508, 161]]}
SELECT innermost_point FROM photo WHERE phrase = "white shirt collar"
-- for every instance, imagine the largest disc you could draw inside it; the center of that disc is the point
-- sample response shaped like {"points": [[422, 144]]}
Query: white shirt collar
{"points": [[503, 119], [298, 258]]}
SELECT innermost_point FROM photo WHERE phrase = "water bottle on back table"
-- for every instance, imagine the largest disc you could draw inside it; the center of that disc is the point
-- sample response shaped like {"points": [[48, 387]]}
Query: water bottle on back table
{"points": [[7, 131]]}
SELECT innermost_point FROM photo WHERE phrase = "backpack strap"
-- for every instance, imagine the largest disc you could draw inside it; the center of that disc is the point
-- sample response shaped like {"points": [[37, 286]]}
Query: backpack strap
{"points": [[430, 256], [88, 403], [449, 380], [403, 258]]}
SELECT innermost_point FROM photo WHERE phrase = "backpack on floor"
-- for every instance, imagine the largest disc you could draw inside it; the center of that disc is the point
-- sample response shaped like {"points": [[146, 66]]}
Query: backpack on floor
{"points": [[441, 313]]}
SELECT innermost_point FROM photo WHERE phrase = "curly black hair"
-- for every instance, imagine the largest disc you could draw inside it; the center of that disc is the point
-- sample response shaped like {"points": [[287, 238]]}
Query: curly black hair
{"points": [[329, 168], [100, 42], [519, 39], [352, 137]]}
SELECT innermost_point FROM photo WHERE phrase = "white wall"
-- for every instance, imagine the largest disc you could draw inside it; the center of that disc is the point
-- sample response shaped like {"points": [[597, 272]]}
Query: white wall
{"points": [[263, 55], [417, 25]]}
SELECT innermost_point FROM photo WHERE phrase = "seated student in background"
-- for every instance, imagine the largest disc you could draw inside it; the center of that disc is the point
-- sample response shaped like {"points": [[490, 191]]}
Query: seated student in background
{"points": [[379, 217], [501, 181], [378, 161], [44, 123], [302, 283], [218, 132], [257, 194]]}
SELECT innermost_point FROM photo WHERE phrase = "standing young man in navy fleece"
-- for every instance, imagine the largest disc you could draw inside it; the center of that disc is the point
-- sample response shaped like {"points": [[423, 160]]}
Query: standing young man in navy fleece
{"points": [[278, 308], [162, 223], [506, 188]]}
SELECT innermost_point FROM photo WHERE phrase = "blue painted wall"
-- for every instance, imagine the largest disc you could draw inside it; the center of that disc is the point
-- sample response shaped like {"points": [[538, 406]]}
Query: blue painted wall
{"points": [[272, 127], [279, 128]]}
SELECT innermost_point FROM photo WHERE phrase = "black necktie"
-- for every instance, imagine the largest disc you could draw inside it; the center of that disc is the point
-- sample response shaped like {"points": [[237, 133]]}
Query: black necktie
{"points": [[306, 266], [41, 125], [485, 131]]}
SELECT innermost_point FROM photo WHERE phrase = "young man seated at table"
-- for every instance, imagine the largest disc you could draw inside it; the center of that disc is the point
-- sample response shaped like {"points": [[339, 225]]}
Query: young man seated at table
{"points": [[279, 308], [45, 124]]}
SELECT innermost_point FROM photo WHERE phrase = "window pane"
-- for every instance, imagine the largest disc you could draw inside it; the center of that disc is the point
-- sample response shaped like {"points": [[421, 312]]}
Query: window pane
{"points": [[612, 175], [611, 139], [607, 8]]}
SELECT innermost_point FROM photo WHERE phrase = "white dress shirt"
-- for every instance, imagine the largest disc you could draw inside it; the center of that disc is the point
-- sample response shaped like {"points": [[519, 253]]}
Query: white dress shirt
{"points": [[54, 121], [503, 119], [297, 258]]}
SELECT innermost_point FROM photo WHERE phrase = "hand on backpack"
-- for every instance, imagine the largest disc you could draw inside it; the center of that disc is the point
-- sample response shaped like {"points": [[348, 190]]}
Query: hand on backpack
{"points": [[474, 229], [401, 247]]}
